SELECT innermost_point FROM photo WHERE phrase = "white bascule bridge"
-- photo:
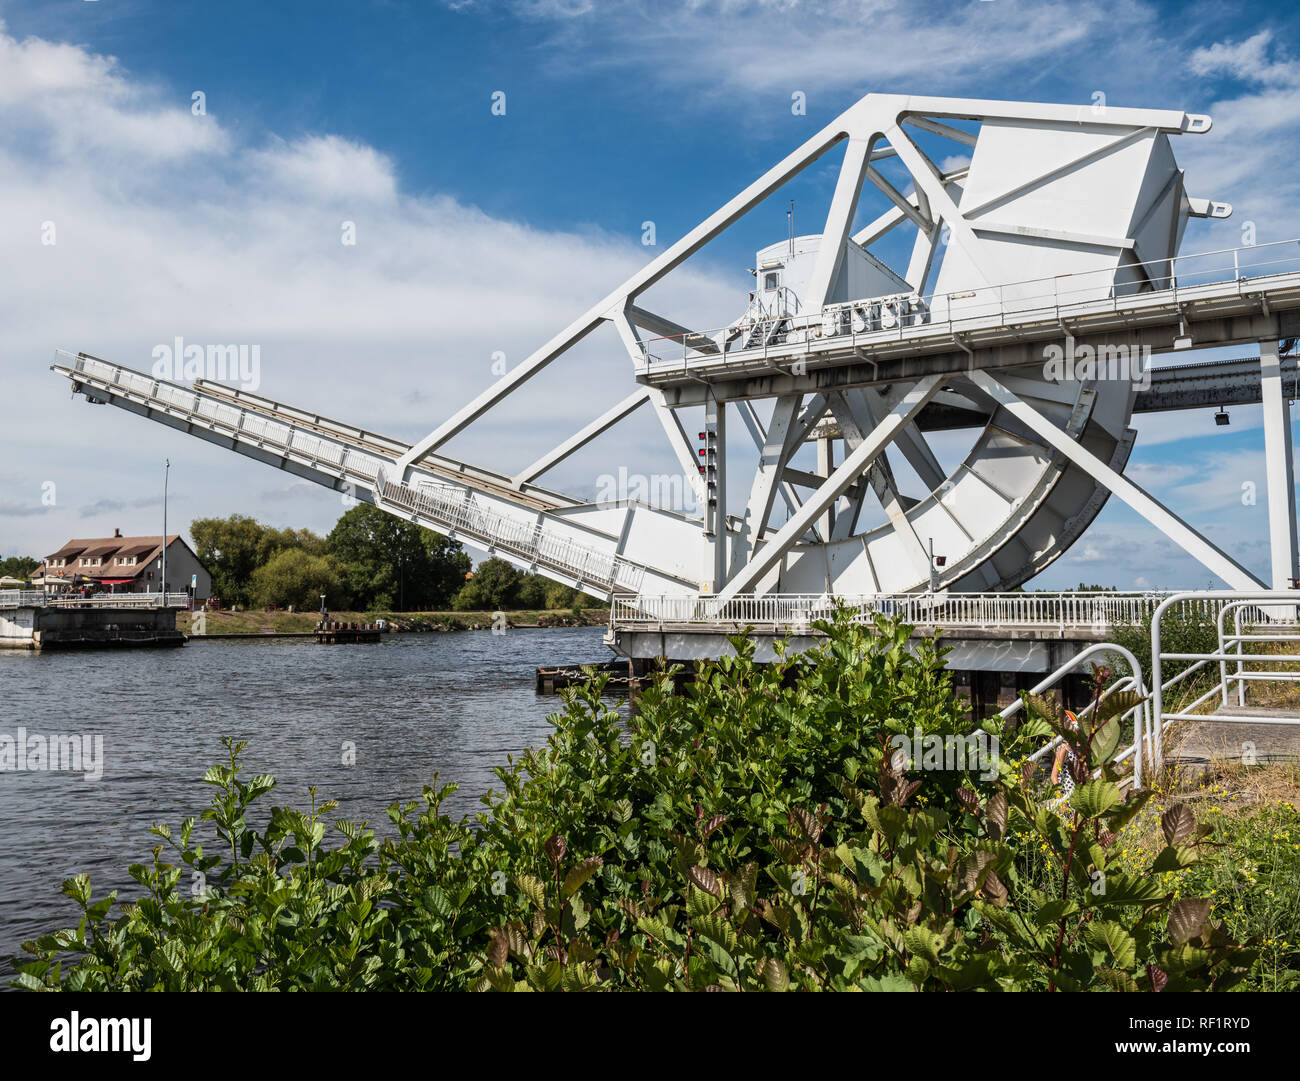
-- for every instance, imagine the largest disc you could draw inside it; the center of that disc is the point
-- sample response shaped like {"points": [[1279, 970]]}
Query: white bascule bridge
{"points": [[1017, 294]]}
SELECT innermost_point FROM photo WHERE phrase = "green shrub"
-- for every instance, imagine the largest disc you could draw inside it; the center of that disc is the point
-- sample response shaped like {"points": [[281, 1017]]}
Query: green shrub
{"points": [[759, 829]]}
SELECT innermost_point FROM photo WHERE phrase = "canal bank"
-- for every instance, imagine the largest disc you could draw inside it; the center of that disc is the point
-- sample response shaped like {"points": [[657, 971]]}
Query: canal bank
{"points": [[269, 624]]}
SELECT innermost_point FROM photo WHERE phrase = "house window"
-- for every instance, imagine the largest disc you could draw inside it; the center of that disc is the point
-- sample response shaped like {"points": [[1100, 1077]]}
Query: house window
{"points": [[770, 280]]}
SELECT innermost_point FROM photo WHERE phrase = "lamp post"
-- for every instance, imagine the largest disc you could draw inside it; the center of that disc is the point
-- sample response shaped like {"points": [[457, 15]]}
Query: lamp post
{"points": [[167, 466]]}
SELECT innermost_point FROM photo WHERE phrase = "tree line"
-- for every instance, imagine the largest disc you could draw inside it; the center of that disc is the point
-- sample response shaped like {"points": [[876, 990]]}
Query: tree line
{"points": [[369, 562]]}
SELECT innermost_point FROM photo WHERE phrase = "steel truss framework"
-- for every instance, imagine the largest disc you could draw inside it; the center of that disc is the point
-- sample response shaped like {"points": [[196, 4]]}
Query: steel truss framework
{"points": [[1048, 192]]}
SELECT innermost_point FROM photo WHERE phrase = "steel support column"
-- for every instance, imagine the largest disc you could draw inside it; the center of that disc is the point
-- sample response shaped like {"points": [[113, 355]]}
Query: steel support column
{"points": [[1279, 469]]}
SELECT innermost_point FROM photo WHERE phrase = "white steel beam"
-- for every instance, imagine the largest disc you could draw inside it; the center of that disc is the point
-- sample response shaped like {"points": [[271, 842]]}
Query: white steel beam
{"points": [[666, 328], [874, 445], [911, 442], [946, 130], [672, 257], [756, 432], [772, 454], [1060, 170], [901, 201], [880, 480], [925, 175], [1152, 510], [839, 220], [825, 467], [605, 421], [680, 442], [893, 217], [1279, 469]]}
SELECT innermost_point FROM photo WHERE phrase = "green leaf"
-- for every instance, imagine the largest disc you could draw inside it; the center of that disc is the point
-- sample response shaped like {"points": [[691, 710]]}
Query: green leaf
{"points": [[924, 942], [78, 888], [1054, 911], [1122, 889], [436, 901], [1105, 742], [717, 929], [1116, 980], [1114, 939], [775, 975], [1173, 859], [532, 889], [573, 881], [1094, 798]]}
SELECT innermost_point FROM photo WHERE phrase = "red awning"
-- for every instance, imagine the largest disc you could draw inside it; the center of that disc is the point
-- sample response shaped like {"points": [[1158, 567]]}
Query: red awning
{"points": [[114, 581]]}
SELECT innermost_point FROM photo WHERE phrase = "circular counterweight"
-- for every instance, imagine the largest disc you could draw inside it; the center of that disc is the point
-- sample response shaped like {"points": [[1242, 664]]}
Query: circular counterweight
{"points": [[1000, 518]]}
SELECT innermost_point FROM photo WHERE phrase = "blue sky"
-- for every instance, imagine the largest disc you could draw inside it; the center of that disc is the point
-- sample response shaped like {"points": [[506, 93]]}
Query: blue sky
{"points": [[480, 234]]}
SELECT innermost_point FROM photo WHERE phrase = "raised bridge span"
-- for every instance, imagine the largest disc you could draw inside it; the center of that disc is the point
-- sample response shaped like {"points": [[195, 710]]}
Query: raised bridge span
{"points": [[1020, 294]]}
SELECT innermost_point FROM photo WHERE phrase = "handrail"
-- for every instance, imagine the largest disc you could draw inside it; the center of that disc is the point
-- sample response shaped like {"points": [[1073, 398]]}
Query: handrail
{"points": [[454, 508], [1062, 611], [1140, 712], [1274, 598], [1096, 284]]}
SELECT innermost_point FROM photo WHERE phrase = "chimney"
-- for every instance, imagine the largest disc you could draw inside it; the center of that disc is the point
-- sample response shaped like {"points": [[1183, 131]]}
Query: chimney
{"points": [[117, 532]]}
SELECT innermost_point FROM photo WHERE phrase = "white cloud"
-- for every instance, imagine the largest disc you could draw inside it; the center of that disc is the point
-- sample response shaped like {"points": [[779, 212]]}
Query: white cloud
{"points": [[219, 240], [1247, 60], [74, 102], [327, 168], [757, 46]]}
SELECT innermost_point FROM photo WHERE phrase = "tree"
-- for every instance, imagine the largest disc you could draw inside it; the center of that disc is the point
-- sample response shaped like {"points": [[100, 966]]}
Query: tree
{"points": [[389, 563], [532, 592], [233, 548], [18, 566], [494, 587], [298, 578]]}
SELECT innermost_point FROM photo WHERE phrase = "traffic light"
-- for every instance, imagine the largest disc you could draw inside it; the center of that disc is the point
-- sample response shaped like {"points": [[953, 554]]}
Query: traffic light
{"points": [[708, 453]]}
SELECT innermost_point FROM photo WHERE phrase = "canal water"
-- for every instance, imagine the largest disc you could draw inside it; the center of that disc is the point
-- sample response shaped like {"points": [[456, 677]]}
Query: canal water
{"points": [[455, 704]]}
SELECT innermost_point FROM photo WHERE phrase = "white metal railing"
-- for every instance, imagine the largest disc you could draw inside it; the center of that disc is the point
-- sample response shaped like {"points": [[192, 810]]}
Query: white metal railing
{"points": [[36, 598], [1139, 715], [1265, 621], [455, 508], [263, 431], [22, 598], [1267, 612], [1063, 611], [1051, 297]]}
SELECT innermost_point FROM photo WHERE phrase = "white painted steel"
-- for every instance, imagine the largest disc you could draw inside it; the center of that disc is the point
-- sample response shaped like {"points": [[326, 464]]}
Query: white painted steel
{"points": [[1064, 217]]}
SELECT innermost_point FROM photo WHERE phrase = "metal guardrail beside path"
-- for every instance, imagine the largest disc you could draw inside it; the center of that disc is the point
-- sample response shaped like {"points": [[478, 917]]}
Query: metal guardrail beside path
{"points": [[1259, 618]]}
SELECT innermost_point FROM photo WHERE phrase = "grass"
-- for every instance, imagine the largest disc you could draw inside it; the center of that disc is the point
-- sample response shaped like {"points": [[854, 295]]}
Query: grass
{"points": [[1254, 877]]}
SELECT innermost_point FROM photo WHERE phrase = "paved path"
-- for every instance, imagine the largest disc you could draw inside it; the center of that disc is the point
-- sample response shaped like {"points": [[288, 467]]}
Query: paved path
{"points": [[1197, 743]]}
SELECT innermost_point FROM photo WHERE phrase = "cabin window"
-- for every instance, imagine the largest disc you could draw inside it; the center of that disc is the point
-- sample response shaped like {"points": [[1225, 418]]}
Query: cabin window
{"points": [[770, 280]]}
